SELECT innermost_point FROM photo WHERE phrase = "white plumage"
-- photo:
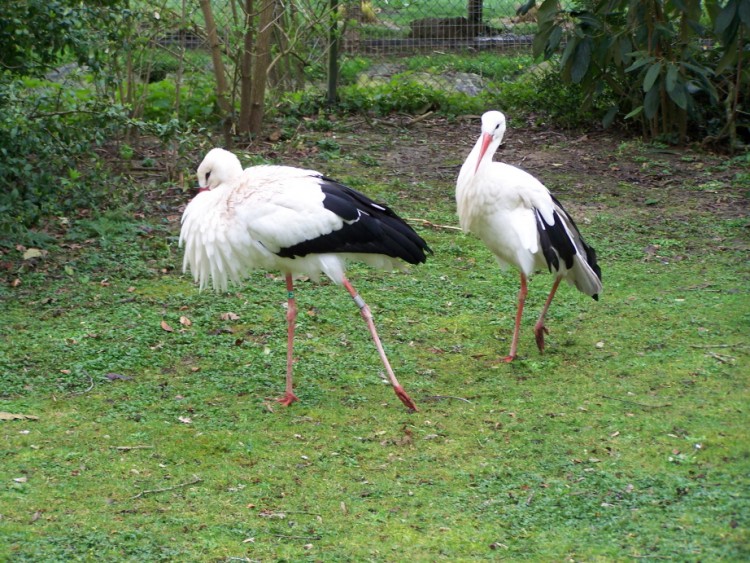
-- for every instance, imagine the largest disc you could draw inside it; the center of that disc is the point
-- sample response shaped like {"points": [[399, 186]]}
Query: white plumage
{"points": [[293, 220], [522, 223]]}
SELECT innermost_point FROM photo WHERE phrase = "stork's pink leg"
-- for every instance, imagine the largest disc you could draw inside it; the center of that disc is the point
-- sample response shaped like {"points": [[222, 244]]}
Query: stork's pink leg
{"points": [[539, 328], [519, 313], [367, 315], [291, 318]]}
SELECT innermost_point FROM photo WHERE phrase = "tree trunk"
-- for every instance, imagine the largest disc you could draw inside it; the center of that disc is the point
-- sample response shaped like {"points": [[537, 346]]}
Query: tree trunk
{"points": [[260, 72], [222, 88], [246, 70]]}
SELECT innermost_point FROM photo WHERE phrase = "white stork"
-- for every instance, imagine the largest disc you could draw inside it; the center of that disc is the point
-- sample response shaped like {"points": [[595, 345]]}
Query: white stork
{"points": [[522, 223], [296, 221]]}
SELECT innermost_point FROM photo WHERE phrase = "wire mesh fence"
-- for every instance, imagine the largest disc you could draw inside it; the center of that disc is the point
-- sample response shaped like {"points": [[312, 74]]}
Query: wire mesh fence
{"points": [[403, 27], [386, 32]]}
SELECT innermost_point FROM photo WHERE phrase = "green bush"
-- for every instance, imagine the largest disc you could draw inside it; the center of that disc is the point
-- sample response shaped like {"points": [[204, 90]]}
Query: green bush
{"points": [[47, 165]]}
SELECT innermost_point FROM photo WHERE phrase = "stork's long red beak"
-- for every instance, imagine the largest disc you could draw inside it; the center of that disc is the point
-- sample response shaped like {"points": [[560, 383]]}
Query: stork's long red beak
{"points": [[486, 140], [202, 189]]}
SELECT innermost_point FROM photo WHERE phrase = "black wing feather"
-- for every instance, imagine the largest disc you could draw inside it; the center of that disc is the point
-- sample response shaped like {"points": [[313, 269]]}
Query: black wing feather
{"points": [[369, 228]]}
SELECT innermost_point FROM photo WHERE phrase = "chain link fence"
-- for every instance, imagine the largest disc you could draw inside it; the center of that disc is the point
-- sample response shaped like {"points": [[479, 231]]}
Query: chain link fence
{"points": [[386, 32], [404, 27]]}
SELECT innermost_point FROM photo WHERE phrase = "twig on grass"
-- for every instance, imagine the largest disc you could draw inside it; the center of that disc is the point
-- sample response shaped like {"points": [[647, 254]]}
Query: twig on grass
{"points": [[90, 387], [419, 118], [128, 448], [720, 357], [195, 480], [427, 223], [638, 404], [738, 345], [298, 537], [441, 397]]}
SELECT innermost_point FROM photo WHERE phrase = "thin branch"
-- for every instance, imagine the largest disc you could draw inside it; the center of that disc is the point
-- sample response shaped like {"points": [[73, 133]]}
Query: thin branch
{"points": [[298, 537], [419, 118], [195, 480], [128, 448], [427, 223], [638, 404], [738, 345], [89, 388], [723, 359], [441, 397]]}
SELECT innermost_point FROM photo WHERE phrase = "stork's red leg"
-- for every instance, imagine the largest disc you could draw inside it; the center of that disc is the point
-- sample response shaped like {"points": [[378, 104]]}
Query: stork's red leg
{"points": [[291, 317], [519, 313], [367, 315], [539, 329]]}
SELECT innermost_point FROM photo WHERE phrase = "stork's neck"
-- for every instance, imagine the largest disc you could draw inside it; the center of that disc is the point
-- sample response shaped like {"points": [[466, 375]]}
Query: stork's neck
{"points": [[472, 166]]}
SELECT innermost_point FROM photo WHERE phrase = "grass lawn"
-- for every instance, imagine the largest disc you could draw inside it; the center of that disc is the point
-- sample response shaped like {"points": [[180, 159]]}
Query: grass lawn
{"points": [[147, 433]]}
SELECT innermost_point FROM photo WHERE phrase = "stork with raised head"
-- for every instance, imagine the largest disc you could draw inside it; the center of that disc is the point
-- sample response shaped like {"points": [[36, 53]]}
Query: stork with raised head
{"points": [[293, 220], [522, 224]]}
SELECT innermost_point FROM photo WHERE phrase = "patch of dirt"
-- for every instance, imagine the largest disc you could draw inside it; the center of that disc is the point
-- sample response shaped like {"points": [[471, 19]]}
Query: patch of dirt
{"points": [[594, 169]]}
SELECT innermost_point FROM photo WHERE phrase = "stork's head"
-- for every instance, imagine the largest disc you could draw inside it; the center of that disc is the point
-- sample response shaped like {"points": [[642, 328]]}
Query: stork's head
{"points": [[218, 166], [493, 129]]}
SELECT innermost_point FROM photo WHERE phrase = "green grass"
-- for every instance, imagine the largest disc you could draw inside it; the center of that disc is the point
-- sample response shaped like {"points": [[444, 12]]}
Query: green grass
{"points": [[626, 439]]}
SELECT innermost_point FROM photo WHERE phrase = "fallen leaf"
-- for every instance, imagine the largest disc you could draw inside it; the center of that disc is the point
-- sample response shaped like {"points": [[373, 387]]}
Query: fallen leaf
{"points": [[229, 316], [184, 321], [32, 253], [185, 419], [114, 376], [16, 282], [15, 416], [165, 326], [21, 479]]}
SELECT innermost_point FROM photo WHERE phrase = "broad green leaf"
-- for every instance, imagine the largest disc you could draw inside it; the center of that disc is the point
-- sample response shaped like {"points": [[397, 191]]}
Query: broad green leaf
{"points": [[728, 60], [636, 111], [672, 75], [744, 12], [638, 63], [524, 8], [651, 75], [554, 38], [651, 103], [547, 10], [679, 95], [569, 50], [725, 17], [609, 117], [581, 61]]}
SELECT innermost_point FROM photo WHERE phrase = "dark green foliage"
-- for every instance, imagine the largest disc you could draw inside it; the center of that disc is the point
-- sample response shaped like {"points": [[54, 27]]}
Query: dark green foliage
{"points": [[47, 162], [34, 33], [674, 66]]}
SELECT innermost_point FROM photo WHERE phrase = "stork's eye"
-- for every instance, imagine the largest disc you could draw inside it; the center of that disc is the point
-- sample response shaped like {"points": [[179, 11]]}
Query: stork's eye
{"points": [[208, 175]]}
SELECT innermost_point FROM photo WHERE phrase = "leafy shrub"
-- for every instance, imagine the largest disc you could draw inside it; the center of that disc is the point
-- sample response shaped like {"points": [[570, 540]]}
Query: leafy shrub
{"points": [[197, 100], [667, 68], [47, 165]]}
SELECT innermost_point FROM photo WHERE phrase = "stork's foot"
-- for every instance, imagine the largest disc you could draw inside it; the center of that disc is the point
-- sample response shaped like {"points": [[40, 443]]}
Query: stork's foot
{"points": [[287, 399], [401, 394], [539, 331], [506, 360]]}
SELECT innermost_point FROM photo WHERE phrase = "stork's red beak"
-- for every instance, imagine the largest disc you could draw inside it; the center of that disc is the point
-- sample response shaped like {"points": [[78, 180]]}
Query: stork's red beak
{"points": [[202, 189], [486, 140]]}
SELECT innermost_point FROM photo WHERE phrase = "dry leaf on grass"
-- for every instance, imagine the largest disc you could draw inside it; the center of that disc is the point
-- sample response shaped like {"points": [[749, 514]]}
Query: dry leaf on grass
{"points": [[165, 326]]}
